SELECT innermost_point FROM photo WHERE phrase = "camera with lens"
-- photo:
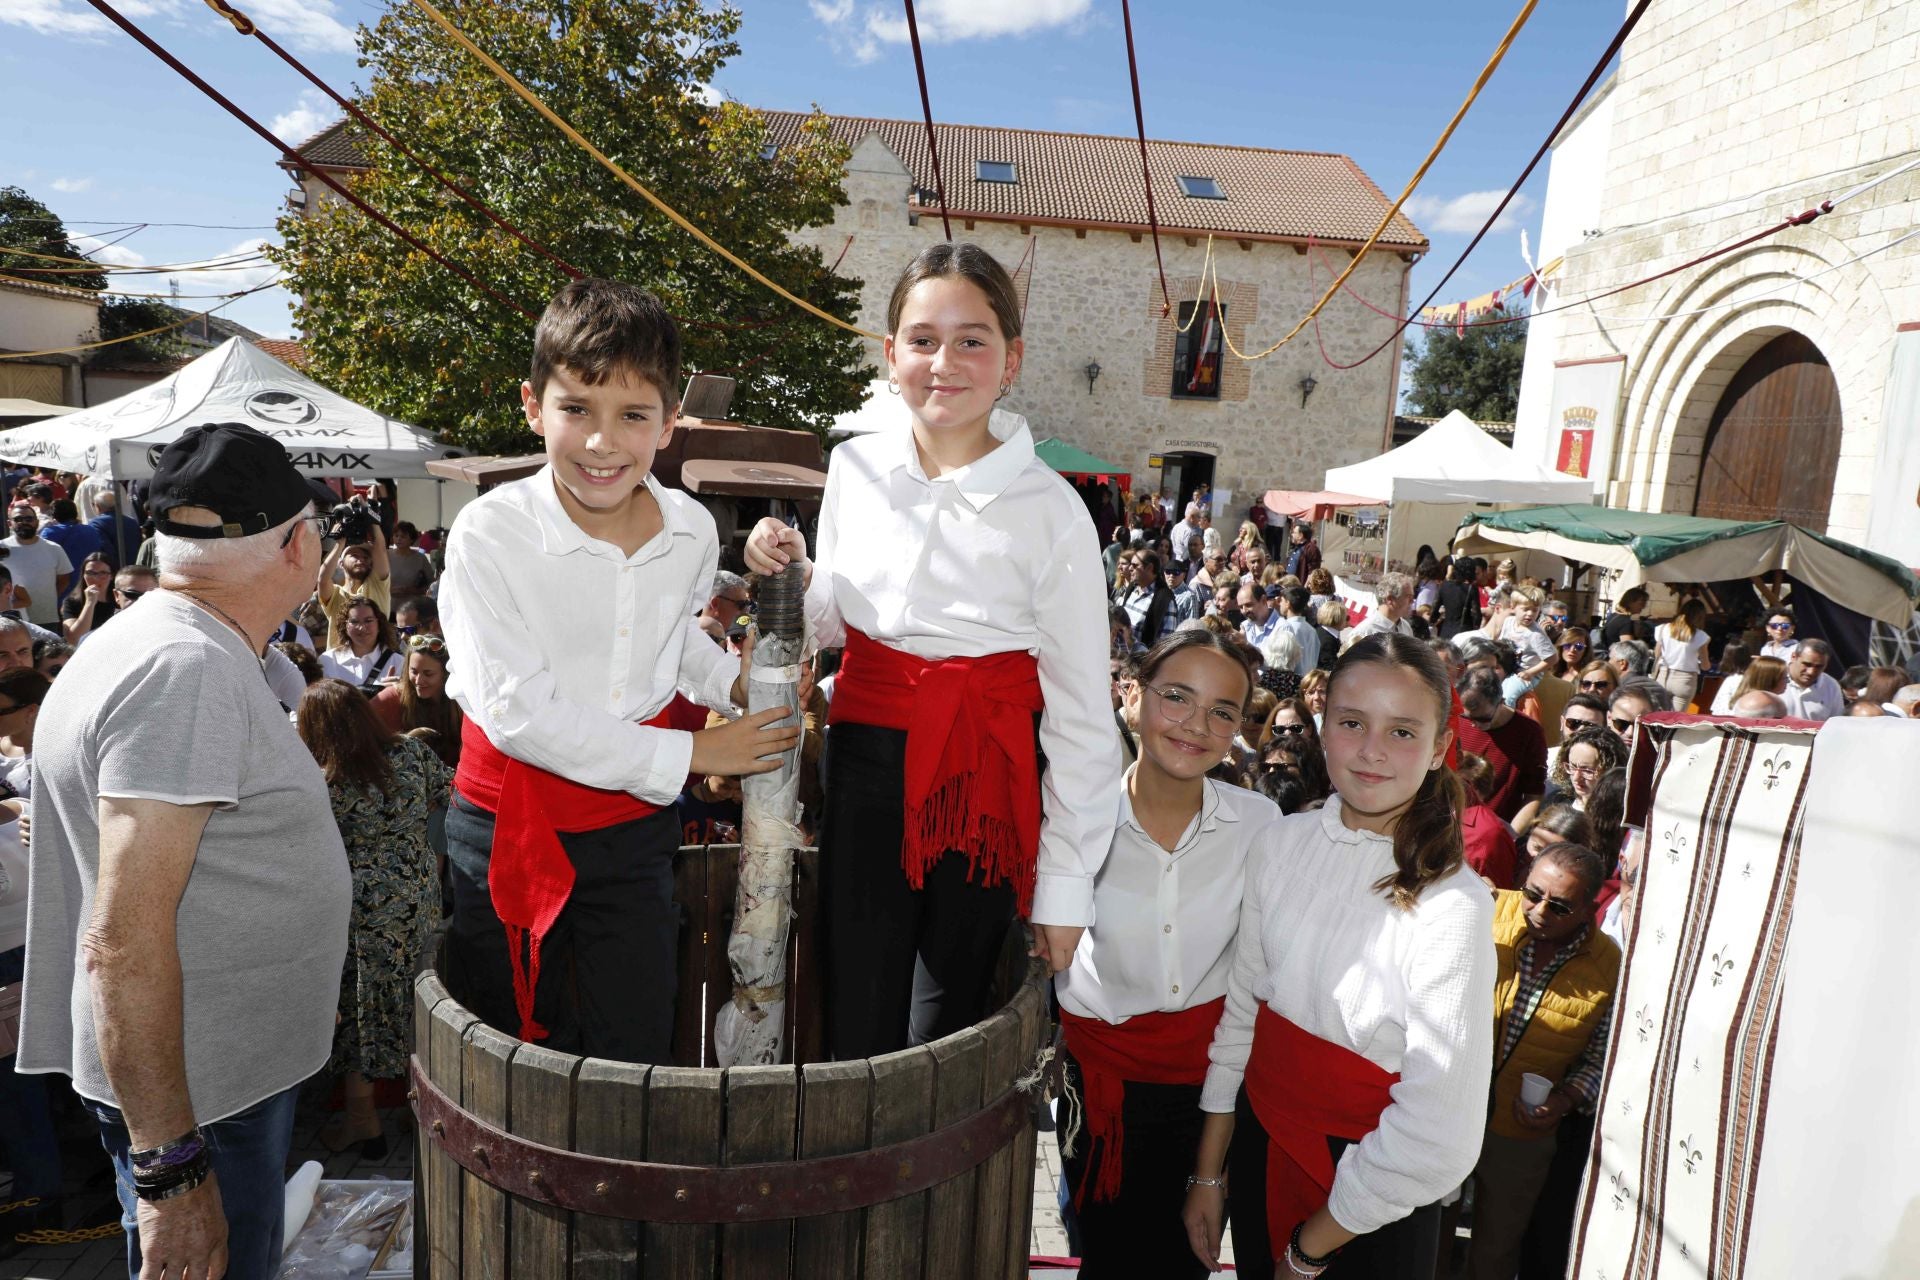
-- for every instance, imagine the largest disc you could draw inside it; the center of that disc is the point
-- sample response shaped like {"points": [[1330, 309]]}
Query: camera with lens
{"points": [[350, 522]]}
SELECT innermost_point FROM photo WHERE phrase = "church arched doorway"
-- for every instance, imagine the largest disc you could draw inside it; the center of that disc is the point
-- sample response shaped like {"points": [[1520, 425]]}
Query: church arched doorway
{"points": [[1773, 444]]}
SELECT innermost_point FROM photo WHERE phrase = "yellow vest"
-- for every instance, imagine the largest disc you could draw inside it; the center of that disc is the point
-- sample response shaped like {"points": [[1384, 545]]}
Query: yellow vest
{"points": [[1563, 1023]]}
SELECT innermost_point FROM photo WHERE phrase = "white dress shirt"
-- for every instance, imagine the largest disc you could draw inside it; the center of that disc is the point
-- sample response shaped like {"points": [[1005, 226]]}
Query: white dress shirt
{"points": [[344, 664], [1410, 991], [1309, 637], [1256, 632], [1821, 701], [559, 645], [990, 558], [1163, 923]]}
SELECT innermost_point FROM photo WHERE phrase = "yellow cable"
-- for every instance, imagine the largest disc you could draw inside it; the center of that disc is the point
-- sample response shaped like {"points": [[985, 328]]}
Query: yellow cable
{"points": [[573, 135], [1206, 266], [144, 333], [1486, 74]]}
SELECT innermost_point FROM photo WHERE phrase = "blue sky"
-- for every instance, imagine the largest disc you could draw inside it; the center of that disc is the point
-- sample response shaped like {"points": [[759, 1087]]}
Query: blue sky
{"points": [[127, 141]]}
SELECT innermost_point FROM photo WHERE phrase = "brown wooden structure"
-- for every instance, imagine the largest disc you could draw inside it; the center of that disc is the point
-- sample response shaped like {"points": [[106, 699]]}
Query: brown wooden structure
{"points": [[536, 1165], [1773, 445]]}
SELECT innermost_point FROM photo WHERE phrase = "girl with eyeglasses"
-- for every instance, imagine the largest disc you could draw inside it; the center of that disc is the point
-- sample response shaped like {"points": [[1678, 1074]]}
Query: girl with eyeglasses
{"points": [[1580, 762], [1141, 999], [1292, 742], [1570, 654], [1350, 1069]]}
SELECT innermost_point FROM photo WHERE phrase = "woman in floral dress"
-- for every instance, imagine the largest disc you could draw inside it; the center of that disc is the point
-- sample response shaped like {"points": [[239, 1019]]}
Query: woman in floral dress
{"points": [[382, 787]]}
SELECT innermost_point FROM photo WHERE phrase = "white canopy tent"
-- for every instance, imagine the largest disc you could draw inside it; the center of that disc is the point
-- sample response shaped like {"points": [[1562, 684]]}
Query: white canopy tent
{"points": [[325, 433], [1455, 461], [1426, 487]]}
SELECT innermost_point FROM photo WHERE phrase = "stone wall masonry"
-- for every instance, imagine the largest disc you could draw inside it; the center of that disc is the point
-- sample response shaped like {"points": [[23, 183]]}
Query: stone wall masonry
{"points": [[1095, 296], [1729, 115]]}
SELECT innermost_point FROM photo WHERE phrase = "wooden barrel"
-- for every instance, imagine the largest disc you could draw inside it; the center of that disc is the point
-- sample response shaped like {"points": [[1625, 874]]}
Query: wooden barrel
{"points": [[914, 1164]]}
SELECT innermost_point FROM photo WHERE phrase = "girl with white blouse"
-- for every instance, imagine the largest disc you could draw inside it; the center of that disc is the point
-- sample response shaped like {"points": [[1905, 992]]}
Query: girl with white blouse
{"points": [[1680, 645], [1141, 999], [964, 579], [1358, 1030]]}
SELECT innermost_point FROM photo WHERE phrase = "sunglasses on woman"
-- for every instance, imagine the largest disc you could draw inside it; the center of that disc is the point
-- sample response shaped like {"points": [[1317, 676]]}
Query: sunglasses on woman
{"points": [[1554, 905], [1290, 729], [427, 644], [1596, 684]]}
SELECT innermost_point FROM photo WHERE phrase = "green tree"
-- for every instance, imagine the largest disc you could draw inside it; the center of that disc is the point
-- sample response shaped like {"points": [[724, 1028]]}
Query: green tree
{"points": [[120, 317], [25, 223], [387, 325], [1477, 373]]}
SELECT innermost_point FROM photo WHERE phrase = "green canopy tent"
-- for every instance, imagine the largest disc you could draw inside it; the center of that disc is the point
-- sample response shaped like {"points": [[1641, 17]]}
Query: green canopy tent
{"points": [[1633, 547], [1077, 464]]}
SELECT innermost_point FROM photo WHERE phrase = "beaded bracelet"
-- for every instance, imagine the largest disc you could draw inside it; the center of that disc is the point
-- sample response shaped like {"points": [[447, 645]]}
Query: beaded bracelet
{"points": [[1306, 1264]]}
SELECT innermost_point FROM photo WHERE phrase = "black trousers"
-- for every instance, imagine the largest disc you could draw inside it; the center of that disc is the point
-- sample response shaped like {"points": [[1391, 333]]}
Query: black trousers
{"points": [[903, 965], [1549, 1242], [1403, 1250], [607, 984], [1139, 1232]]}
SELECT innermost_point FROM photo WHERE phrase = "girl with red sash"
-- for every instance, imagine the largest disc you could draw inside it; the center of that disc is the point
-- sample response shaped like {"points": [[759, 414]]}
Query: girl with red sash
{"points": [[964, 580], [1348, 1086], [1140, 1002]]}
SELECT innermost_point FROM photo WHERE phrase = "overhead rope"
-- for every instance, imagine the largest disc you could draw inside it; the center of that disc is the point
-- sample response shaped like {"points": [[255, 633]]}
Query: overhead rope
{"points": [[247, 27], [573, 135], [1486, 74], [144, 333], [128, 293], [153, 47], [926, 111], [1146, 172], [83, 264], [1580, 95]]}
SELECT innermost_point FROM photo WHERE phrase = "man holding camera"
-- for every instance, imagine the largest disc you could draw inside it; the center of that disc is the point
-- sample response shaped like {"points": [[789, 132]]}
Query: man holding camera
{"points": [[360, 556]]}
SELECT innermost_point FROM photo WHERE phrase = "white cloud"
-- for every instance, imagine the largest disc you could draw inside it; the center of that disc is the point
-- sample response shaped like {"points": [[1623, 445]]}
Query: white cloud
{"points": [[1464, 215], [862, 30], [70, 186], [305, 24], [53, 18], [314, 112]]}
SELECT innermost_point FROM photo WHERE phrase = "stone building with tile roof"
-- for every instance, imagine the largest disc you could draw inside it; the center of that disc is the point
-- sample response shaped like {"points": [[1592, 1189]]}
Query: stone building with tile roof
{"points": [[1161, 396]]}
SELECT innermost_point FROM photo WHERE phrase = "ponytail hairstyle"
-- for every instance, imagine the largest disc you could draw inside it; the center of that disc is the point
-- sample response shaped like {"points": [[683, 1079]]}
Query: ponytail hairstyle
{"points": [[1426, 839]]}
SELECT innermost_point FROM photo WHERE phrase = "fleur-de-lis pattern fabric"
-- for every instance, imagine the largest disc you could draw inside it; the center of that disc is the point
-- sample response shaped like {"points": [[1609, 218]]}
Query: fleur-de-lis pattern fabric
{"points": [[1676, 1151]]}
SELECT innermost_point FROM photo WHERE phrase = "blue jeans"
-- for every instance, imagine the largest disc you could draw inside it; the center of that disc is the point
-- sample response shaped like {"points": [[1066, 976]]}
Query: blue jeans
{"points": [[26, 1126], [249, 1153]]}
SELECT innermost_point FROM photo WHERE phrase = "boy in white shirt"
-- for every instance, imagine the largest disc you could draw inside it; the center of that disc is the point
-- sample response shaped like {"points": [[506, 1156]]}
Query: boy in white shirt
{"points": [[568, 603]]}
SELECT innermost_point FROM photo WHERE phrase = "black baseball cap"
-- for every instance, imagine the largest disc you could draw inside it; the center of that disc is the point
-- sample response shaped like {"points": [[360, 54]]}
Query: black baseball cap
{"points": [[240, 474]]}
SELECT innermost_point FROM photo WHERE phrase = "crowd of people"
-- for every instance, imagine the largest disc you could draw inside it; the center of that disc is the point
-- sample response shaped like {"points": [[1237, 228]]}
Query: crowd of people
{"points": [[1333, 896]]}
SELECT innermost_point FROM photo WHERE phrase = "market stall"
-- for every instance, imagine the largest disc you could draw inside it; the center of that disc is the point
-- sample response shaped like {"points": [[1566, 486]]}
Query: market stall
{"points": [[1629, 548]]}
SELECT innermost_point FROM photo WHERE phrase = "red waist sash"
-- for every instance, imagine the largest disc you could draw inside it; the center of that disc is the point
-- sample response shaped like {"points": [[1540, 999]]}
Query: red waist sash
{"points": [[529, 875], [1306, 1090], [1152, 1048], [972, 772]]}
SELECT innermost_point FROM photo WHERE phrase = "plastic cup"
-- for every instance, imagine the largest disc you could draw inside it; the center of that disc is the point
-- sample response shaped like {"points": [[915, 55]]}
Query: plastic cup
{"points": [[1534, 1089]]}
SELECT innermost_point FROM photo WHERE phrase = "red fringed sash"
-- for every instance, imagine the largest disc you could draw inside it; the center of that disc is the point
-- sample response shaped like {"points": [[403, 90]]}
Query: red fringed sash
{"points": [[1153, 1048], [1306, 1090], [529, 875], [972, 772]]}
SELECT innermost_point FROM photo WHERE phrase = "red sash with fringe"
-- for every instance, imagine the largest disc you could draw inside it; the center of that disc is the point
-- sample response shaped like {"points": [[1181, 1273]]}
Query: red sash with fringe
{"points": [[1306, 1090], [529, 875], [1152, 1048], [972, 771]]}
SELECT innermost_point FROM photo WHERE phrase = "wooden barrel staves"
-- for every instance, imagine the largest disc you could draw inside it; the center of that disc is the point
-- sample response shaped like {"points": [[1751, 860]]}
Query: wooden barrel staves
{"points": [[536, 1165]]}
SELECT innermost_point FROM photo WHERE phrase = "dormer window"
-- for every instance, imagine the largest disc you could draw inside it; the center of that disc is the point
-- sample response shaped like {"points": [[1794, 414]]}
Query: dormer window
{"points": [[995, 171], [1201, 188]]}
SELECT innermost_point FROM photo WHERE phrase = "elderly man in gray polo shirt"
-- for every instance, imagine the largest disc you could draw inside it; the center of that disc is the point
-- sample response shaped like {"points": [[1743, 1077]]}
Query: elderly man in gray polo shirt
{"points": [[187, 915]]}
